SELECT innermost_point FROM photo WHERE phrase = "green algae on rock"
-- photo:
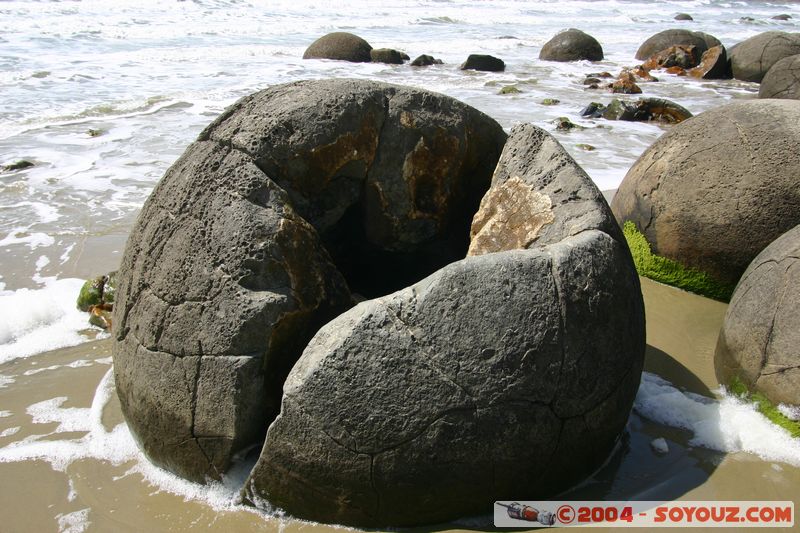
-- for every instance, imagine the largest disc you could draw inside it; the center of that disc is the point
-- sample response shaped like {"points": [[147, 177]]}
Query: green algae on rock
{"points": [[764, 406], [671, 272]]}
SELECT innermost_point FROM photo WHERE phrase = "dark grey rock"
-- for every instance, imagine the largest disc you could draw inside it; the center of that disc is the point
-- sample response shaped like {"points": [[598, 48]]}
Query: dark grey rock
{"points": [[759, 338], [425, 60], [668, 38], [340, 45], [683, 16], [483, 62], [492, 377], [752, 58], [715, 190], [572, 45], [782, 17], [386, 55], [782, 80], [248, 244]]}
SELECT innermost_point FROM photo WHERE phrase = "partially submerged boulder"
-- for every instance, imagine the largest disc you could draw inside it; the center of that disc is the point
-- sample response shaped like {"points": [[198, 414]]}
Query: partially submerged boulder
{"points": [[751, 59], [254, 238], [715, 190], [572, 45], [758, 342], [497, 362], [683, 17], [782, 80], [386, 55], [644, 110], [340, 45], [483, 62], [674, 37], [425, 60]]}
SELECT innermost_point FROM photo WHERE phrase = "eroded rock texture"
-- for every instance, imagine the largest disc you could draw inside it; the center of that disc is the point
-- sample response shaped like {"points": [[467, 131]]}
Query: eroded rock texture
{"points": [[759, 338], [718, 188], [782, 79], [504, 375], [752, 58], [248, 244]]}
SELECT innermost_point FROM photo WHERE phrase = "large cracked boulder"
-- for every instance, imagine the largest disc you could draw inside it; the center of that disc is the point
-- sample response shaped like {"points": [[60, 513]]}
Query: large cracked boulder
{"points": [[716, 189], [782, 79], [759, 338], [752, 58], [340, 45], [675, 37], [504, 375], [572, 45], [255, 237]]}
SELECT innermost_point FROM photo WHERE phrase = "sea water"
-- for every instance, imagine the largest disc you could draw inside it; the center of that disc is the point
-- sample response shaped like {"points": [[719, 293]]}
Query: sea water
{"points": [[103, 95]]}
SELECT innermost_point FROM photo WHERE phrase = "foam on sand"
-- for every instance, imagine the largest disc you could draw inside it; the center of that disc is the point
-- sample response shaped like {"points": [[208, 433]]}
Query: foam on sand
{"points": [[37, 320], [116, 447], [727, 425]]}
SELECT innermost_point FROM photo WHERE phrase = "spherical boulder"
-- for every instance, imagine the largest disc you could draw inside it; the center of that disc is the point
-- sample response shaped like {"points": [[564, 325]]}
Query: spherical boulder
{"points": [[509, 374], [751, 59], [340, 45], [674, 37], [683, 17], [716, 189], [256, 236], [782, 80], [758, 342], [572, 45]]}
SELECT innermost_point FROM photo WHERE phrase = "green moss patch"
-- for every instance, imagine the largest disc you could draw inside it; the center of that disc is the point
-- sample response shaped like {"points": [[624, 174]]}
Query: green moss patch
{"points": [[671, 272], [765, 407]]}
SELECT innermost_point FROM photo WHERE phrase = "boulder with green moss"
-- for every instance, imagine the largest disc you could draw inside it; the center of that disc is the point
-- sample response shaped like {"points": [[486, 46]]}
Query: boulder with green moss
{"points": [[758, 342], [96, 297], [718, 188], [671, 272]]}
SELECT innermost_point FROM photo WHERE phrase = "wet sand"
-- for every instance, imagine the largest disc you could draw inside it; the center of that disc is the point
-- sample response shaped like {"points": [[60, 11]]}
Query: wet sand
{"points": [[682, 331]]}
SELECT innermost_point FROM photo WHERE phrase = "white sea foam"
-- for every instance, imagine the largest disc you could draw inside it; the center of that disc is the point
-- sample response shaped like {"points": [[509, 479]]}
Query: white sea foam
{"points": [[37, 320], [792, 412], [5, 381], [728, 425], [5, 414], [74, 522], [10, 431], [116, 447]]}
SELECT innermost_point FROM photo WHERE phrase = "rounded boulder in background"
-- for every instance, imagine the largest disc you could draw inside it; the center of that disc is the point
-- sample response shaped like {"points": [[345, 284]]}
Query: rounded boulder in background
{"points": [[716, 189], [572, 45], [341, 46]]}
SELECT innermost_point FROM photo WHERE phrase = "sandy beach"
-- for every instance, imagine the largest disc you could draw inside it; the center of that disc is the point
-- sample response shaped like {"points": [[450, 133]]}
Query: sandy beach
{"points": [[40, 496]]}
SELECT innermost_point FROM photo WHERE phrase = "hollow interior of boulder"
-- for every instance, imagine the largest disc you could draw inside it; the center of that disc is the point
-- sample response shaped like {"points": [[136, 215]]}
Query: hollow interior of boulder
{"points": [[372, 271]]}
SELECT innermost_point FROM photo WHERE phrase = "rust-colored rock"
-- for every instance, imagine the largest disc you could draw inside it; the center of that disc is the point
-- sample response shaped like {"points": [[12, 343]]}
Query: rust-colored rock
{"points": [[626, 84], [510, 217], [714, 65], [684, 56], [677, 71], [642, 74]]}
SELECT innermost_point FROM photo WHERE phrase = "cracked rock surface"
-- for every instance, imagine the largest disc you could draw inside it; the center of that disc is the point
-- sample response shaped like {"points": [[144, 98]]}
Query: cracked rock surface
{"points": [[718, 188], [241, 252], [503, 375], [782, 80], [752, 58], [759, 338]]}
